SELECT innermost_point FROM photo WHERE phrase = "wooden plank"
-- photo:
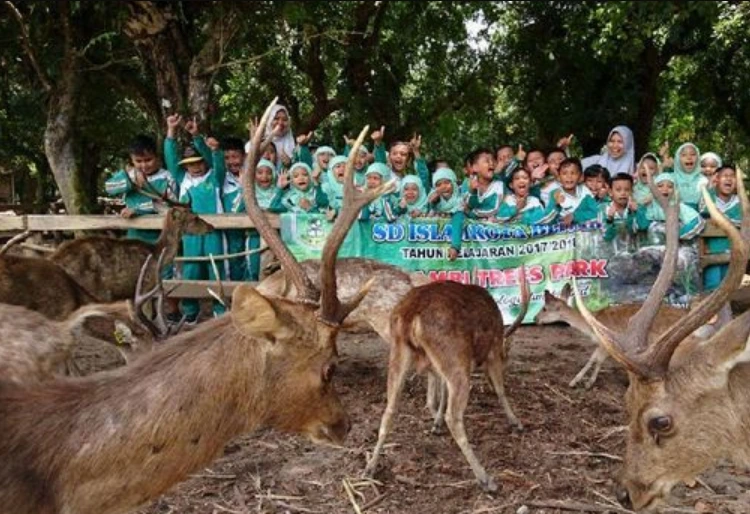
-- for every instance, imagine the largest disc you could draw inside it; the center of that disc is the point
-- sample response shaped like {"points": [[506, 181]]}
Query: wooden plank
{"points": [[199, 288], [50, 222]]}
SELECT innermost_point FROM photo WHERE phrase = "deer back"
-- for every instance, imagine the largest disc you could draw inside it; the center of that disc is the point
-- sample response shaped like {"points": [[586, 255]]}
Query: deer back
{"points": [[41, 286]]}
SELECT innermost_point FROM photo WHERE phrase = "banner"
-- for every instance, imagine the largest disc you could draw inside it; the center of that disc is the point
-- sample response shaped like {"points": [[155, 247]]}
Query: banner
{"points": [[607, 272]]}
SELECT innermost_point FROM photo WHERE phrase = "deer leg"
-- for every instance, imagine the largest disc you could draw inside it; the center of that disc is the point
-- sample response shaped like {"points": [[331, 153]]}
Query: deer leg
{"points": [[432, 398], [398, 364], [458, 398], [495, 374], [601, 356], [442, 392], [595, 356]]}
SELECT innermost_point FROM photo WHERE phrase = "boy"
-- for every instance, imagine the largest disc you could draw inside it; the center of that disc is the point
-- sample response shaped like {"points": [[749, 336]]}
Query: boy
{"points": [[485, 192], [200, 186], [619, 213], [231, 194], [573, 201], [146, 174]]}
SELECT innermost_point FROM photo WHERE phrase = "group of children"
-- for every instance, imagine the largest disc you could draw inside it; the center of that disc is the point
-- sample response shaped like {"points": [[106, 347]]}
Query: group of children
{"points": [[503, 186]]}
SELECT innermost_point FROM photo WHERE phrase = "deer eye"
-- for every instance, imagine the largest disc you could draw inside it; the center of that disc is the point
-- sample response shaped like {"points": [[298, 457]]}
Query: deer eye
{"points": [[328, 372], [659, 425]]}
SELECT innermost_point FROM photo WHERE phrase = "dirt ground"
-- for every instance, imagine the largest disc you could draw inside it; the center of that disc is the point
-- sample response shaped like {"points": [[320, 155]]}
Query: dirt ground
{"points": [[568, 453]]}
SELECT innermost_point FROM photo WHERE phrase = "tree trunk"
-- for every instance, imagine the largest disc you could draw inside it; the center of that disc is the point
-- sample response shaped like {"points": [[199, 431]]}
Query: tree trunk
{"points": [[649, 98]]}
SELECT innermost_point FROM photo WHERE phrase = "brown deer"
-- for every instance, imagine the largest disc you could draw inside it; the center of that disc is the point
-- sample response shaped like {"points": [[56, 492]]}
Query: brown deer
{"points": [[683, 417], [109, 266], [446, 329], [557, 309], [42, 286], [109, 442]]}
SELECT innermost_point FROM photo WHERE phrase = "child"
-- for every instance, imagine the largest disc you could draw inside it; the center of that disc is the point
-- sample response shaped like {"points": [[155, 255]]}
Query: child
{"points": [[505, 161], [303, 193], [146, 174], [620, 212], [485, 193], [596, 178], [710, 162], [519, 206], [381, 207], [445, 201], [573, 202], [649, 164], [403, 158], [333, 187], [550, 183], [412, 198], [652, 216], [201, 186], [687, 176], [725, 197], [555, 157], [234, 239], [323, 156]]}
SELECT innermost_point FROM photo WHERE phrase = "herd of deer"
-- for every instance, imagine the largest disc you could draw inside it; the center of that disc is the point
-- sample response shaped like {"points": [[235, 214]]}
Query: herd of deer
{"points": [[111, 441]]}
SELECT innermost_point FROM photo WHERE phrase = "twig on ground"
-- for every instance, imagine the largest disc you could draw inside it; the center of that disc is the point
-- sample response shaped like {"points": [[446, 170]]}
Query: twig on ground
{"points": [[576, 507], [295, 508], [215, 477], [590, 454], [350, 494], [558, 393]]}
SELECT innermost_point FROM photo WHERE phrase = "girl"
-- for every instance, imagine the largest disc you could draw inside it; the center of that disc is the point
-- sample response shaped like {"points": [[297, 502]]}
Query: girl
{"points": [[687, 176], [323, 156], [403, 158], [620, 154], [445, 201], [519, 206], [652, 216], [649, 164], [725, 197], [710, 162], [333, 187], [381, 207], [573, 202], [412, 198], [303, 195]]}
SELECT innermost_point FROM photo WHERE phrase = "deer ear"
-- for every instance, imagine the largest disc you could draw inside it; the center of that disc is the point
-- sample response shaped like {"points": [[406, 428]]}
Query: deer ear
{"points": [[252, 312], [565, 293], [728, 348], [548, 297]]}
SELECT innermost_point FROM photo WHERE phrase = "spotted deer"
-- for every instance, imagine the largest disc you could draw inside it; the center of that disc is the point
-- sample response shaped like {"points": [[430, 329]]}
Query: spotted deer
{"points": [[109, 442], [557, 309], [683, 417], [446, 329]]}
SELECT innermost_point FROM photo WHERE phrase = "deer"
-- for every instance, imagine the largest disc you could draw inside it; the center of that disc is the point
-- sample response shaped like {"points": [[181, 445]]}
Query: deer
{"points": [[110, 266], [109, 442], [35, 348], [683, 418], [556, 309], [446, 329]]}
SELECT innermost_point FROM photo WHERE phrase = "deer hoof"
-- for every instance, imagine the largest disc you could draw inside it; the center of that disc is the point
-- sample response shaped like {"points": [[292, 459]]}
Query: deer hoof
{"points": [[488, 485], [437, 429]]}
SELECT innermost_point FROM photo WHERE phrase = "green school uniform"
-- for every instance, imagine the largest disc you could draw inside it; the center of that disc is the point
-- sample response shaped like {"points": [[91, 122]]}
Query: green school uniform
{"points": [[581, 204], [732, 209], [533, 213], [486, 204]]}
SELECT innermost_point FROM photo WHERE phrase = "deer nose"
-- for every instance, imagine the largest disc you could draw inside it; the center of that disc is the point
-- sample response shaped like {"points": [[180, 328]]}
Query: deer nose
{"points": [[623, 497]]}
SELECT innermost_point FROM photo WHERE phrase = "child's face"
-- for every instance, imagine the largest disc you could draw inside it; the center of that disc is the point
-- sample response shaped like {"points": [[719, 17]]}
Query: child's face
{"points": [[553, 161], [534, 160], [234, 159], [264, 177], [374, 180], [482, 167], [339, 172], [504, 155], [360, 161], [146, 162], [647, 165], [196, 169], [323, 160], [616, 145], [595, 184], [708, 167], [281, 122], [688, 159], [620, 192], [411, 193], [726, 182], [300, 178], [399, 157], [270, 154], [445, 188], [520, 183], [666, 188], [569, 175]]}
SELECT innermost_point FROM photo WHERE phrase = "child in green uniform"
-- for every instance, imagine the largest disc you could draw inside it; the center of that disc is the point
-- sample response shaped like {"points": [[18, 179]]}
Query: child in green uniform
{"points": [[333, 186], [573, 202], [201, 186], [445, 201], [234, 239], [519, 206], [146, 174], [404, 159], [485, 191], [412, 198], [649, 164], [619, 213], [687, 175], [725, 197], [649, 217], [381, 208], [596, 178], [299, 192]]}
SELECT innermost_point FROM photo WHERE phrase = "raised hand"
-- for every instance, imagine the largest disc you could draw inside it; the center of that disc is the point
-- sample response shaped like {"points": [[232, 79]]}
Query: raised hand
{"points": [[305, 204], [191, 126], [173, 121], [539, 172], [213, 143], [520, 153], [452, 254], [285, 159], [564, 142], [632, 205], [303, 139], [252, 125], [416, 144], [664, 150], [377, 136], [349, 141], [283, 181]]}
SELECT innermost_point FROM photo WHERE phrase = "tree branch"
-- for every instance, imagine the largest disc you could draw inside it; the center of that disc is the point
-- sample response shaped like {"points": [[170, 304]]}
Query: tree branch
{"points": [[26, 43]]}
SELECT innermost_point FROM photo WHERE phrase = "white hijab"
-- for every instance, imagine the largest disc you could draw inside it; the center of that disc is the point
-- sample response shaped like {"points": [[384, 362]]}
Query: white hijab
{"points": [[623, 164], [284, 143]]}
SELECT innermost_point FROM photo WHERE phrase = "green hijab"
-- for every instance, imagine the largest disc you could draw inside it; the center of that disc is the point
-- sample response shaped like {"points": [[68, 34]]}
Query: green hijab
{"points": [[654, 212], [420, 204], [294, 195], [455, 202], [333, 188], [688, 182], [265, 195], [641, 191]]}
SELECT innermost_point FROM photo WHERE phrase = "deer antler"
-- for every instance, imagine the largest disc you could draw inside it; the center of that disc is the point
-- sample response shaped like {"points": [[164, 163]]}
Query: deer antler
{"points": [[306, 290], [158, 325], [150, 192], [331, 308], [627, 348]]}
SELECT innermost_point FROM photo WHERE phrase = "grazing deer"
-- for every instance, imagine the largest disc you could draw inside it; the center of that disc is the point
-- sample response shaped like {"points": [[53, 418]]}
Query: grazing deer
{"points": [[683, 417], [110, 266], [447, 328], [557, 309], [42, 286], [107, 443]]}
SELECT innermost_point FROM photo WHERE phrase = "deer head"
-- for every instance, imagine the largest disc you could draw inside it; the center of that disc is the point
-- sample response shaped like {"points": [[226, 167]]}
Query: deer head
{"points": [[685, 417], [179, 216], [555, 308]]}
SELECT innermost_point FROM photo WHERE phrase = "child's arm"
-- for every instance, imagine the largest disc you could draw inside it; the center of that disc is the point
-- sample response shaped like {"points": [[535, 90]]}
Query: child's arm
{"points": [[486, 208], [388, 210], [457, 228], [301, 151], [506, 212], [172, 149], [277, 204], [321, 199], [587, 210], [691, 223], [118, 184], [641, 221]]}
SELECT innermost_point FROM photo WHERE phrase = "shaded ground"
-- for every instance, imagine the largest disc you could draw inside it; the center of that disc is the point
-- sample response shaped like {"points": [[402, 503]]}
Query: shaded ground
{"points": [[552, 460]]}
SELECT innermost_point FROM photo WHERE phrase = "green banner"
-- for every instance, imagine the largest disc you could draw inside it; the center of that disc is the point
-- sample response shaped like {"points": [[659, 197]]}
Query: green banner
{"points": [[618, 271]]}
